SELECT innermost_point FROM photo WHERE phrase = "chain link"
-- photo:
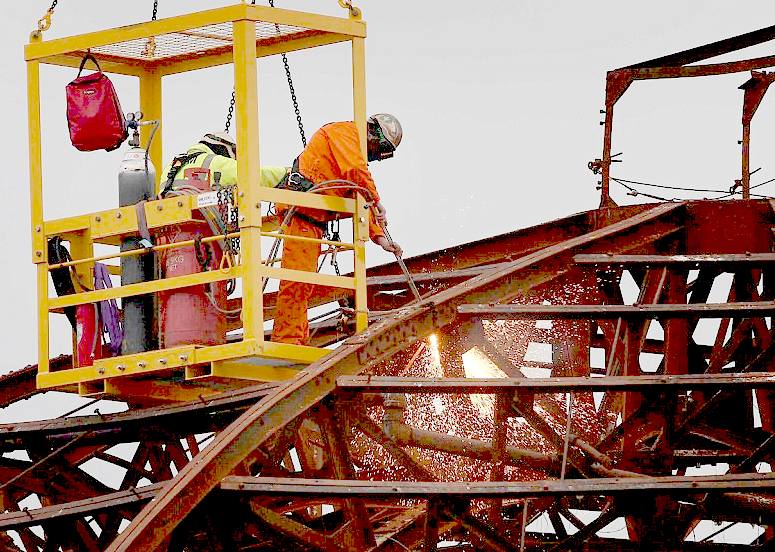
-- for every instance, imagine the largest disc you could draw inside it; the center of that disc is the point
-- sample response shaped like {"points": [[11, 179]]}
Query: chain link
{"points": [[230, 114], [294, 99], [44, 23], [229, 213], [291, 88], [155, 9]]}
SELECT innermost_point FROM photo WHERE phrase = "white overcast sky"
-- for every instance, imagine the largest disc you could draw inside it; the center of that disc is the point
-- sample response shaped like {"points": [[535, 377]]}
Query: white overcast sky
{"points": [[499, 101]]}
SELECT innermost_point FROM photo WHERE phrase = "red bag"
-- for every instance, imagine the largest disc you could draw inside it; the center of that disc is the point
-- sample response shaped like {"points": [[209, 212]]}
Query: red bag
{"points": [[93, 111]]}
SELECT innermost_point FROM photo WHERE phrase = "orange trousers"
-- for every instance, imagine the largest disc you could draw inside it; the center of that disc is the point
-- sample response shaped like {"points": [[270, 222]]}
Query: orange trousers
{"points": [[290, 321]]}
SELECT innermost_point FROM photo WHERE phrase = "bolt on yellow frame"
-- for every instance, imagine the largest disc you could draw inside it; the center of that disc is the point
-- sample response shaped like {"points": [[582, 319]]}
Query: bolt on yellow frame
{"points": [[237, 34]]}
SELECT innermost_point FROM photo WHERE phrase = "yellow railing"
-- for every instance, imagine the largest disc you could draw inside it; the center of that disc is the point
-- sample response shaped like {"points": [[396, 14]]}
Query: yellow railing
{"points": [[109, 227], [251, 32]]}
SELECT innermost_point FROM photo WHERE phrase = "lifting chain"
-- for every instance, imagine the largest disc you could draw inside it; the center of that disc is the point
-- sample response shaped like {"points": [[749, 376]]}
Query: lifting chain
{"points": [[150, 47], [230, 114], [44, 23], [229, 213], [288, 76]]}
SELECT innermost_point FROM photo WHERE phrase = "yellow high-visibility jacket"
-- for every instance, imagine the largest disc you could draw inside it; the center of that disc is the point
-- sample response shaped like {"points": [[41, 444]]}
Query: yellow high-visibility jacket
{"points": [[270, 176]]}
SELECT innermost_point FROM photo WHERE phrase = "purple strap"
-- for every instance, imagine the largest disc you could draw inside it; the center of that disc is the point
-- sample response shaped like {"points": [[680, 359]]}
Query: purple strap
{"points": [[108, 309]]}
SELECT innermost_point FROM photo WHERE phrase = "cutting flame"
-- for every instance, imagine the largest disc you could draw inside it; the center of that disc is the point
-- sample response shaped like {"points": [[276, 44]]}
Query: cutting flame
{"points": [[437, 371], [477, 365]]}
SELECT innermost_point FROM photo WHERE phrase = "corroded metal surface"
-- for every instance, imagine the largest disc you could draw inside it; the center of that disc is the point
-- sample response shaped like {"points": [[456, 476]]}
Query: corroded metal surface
{"points": [[440, 392]]}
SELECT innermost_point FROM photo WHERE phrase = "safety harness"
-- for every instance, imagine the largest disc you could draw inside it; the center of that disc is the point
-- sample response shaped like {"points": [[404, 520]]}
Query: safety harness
{"points": [[179, 162], [297, 182]]}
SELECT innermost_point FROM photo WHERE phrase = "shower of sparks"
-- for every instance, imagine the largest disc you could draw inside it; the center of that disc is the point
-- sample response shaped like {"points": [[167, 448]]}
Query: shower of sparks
{"points": [[477, 365]]}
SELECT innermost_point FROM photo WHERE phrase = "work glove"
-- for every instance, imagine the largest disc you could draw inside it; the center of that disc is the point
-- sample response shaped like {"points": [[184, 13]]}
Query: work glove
{"points": [[389, 246]]}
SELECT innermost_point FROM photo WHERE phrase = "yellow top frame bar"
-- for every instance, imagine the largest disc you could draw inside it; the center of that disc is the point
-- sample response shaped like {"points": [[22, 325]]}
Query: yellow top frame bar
{"points": [[195, 41]]}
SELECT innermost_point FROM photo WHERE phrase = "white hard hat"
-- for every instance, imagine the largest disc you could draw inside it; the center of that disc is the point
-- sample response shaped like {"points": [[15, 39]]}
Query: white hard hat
{"points": [[390, 127], [222, 139]]}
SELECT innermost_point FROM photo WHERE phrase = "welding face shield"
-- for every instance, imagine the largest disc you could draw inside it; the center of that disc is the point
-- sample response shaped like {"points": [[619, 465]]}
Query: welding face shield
{"points": [[378, 146], [384, 135]]}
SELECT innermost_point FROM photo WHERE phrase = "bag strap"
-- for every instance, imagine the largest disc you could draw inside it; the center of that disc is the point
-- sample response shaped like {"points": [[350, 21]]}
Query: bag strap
{"points": [[208, 160], [86, 58]]}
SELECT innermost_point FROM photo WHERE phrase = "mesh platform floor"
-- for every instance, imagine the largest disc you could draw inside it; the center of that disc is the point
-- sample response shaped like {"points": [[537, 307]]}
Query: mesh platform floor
{"points": [[193, 42]]}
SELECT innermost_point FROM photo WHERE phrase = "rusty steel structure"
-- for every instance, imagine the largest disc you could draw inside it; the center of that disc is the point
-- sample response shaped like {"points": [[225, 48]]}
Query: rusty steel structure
{"points": [[441, 424]]}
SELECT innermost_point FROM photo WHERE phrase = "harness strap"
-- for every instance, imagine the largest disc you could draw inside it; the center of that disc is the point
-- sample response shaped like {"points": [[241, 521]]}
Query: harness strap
{"points": [[142, 225], [177, 163], [207, 161], [314, 222], [296, 181]]}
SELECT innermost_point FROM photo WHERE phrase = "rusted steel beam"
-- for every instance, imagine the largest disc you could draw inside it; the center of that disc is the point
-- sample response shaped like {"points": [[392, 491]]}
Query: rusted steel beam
{"points": [[705, 70], [183, 413], [431, 532], [358, 532], [504, 247], [562, 384], [489, 538], [20, 384], [472, 448], [600, 312], [379, 342], [573, 541], [688, 262], [708, 51], [540, 541], [276, 486], [293, 529], [372, 430], [78, 508]]}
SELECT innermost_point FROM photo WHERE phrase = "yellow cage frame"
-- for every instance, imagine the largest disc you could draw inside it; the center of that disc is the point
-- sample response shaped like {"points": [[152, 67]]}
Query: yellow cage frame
{"points": [[115, 375]]}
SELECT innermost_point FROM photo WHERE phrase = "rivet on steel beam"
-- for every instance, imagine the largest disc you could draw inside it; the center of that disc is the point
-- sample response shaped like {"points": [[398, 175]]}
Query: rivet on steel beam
{"points": [[242, 194], [98, 219], [100, 371], [183, 358], [159, 207], [118, 215], [162, 361], [38, 228], [39, 253], [141, 364], [121, 367], [180, 204]]}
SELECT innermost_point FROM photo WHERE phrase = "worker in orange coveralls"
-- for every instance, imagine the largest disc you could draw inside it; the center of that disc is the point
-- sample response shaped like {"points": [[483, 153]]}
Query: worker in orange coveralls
{"points": [[333, 153]]}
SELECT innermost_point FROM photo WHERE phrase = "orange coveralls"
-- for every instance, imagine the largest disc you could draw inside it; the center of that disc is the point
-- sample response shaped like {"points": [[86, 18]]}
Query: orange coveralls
{"points": [[333, 152]]}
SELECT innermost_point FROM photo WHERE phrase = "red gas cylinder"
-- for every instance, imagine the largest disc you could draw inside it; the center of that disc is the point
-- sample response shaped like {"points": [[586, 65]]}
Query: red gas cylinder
{"points": [[187, 315], [87, 334]]}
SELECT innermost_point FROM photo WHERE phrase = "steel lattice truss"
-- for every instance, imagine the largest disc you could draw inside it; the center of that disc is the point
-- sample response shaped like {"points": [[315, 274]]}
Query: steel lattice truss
{"points": [[432, 426]]}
